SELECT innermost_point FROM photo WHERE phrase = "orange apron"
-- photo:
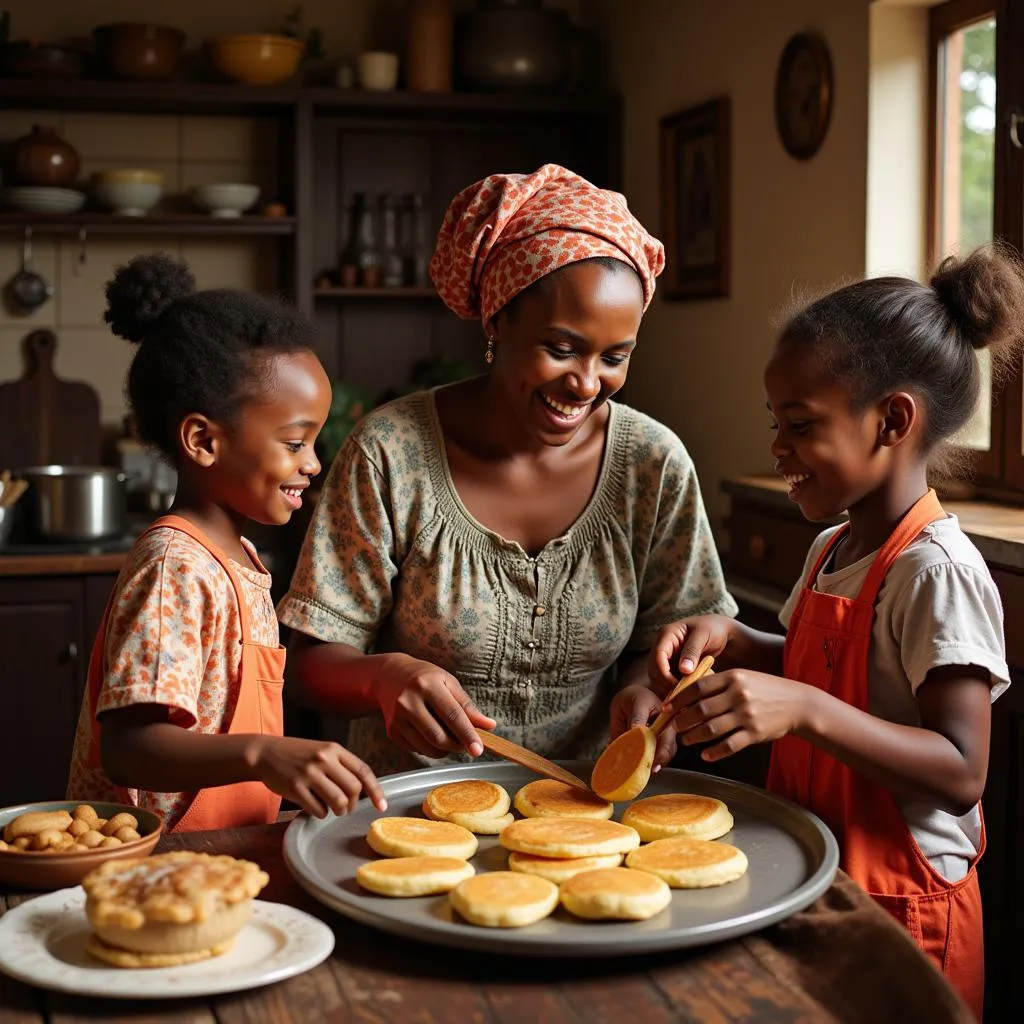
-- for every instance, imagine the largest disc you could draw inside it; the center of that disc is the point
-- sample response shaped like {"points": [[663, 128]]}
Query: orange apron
{"points": [[827, 646], [259, 709]]}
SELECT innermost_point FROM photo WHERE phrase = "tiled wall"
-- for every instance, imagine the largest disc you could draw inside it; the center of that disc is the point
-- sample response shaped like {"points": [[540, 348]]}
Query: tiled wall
{"points": [[188, 151]]}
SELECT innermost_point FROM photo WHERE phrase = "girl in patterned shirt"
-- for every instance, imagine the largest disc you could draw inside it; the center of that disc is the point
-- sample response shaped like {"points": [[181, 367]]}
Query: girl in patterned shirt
{"points": [[183, 709]]}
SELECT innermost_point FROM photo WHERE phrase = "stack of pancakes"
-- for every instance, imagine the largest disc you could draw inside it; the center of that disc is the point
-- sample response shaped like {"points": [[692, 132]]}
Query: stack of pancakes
{"points": [[565, 850]]}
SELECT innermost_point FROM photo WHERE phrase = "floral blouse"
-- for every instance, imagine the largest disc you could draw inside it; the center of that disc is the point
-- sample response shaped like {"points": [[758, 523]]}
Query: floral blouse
{"points": [[393, 561]]}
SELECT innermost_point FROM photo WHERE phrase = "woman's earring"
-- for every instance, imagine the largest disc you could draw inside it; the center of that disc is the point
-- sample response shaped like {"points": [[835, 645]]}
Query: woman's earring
{"points": [[489, 354]]}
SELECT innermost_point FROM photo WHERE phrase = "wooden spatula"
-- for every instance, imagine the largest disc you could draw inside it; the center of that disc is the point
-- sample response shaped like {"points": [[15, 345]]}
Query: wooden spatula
{"points": [[528, 759]]}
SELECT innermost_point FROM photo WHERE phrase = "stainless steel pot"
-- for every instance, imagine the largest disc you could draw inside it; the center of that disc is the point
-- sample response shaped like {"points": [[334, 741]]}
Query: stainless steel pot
{"points": [[76, 503]]}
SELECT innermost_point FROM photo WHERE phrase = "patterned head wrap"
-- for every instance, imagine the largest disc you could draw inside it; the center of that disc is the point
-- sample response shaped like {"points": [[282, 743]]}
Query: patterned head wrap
{"points": [[507, 231]]}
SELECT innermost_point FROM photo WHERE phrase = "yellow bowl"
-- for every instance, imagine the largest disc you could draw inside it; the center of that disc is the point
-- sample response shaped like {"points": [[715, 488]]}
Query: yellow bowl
{"points": [[132, 174], [256, 59], [41, 870]]}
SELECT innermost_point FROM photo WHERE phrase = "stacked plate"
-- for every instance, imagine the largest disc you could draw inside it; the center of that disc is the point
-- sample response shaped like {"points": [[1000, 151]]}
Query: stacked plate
{"points": [[42, 199]]}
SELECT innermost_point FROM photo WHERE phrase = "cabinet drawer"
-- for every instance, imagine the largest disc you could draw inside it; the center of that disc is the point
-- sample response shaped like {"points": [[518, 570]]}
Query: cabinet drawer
{"points": [[766, 548]]}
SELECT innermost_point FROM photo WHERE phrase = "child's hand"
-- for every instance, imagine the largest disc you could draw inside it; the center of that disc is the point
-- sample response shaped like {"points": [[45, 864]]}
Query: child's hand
{"points": [[316, 774], [681, 645], [742, 706], [426, 710], [637, 705]]}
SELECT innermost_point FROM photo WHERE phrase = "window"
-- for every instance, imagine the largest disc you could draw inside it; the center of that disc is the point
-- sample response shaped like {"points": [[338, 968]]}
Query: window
{"points": [[977, 191]]}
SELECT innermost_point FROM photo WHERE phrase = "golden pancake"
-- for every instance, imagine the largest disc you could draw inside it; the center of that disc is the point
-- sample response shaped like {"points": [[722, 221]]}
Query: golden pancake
{"points": [[101, 950], [504, 899], [547, 798], [559, 870], [413, 876], [568, 837], [678, 814], [414, 837], [474, 797], [620, 894], [624, 768], [481, 824], [687, 863]]}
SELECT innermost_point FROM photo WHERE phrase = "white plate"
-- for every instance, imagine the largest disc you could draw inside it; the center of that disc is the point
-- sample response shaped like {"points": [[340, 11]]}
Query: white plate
{"points": [[42, 943], [43, 199]]}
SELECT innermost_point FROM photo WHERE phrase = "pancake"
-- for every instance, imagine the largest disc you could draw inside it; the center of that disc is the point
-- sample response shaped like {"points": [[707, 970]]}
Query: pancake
{"points": [[481, 824], [414, 837], [413, 876], [686, 863], [504, 899], [619, 894], [560, 870], [547, 798], [678, 814], [473, 797], [624, 769], [565, 838]]}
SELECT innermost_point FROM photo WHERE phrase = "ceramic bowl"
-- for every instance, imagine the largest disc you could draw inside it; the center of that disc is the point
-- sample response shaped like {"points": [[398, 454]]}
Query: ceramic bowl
{"points": [[40, 870], [43, 199], [138, 51], [129, 192], [227, 199], [256, 59]]}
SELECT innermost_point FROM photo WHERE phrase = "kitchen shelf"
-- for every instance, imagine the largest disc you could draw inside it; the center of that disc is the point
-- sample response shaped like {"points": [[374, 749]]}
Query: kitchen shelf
{"points": [[345, 294], [170, 224]]}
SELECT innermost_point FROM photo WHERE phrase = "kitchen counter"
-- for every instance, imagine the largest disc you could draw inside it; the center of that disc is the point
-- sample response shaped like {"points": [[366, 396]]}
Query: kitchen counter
{"points": [[76, 564]]}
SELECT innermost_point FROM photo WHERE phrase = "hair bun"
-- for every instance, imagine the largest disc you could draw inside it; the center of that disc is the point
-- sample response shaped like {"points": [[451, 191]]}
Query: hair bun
{"points": [[982, 296], [142, 291]]}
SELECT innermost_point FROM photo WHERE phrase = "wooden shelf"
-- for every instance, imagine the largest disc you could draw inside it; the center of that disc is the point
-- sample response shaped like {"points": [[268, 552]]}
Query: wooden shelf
{"points": [[171, 224], [375, 293]]}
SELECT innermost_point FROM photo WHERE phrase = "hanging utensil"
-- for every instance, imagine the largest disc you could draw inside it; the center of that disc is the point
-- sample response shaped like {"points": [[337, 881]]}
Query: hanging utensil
{"points": [[27, 290]]}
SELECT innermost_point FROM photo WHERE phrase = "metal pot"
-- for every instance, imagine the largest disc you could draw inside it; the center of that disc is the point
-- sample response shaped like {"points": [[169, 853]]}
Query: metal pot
{"points": [[76, 503]]}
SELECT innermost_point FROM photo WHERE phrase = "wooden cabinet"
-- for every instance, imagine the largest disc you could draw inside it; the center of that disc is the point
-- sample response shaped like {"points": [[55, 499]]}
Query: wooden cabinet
{"points": [[47, 625], [767, 543]]}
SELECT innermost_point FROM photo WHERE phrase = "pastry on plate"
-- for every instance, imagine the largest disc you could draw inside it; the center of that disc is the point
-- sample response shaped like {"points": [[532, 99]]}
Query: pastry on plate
{"points": [[678, 814], [687, 863], [413, 876], [615, 894], [568, 837], [559, 870], [170, 909], [504, 899], [414, 837], [548, 798]]}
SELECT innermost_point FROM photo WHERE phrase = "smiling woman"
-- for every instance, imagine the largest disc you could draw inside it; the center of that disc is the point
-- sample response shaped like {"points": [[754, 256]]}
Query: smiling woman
{"points": [[501, 552]]}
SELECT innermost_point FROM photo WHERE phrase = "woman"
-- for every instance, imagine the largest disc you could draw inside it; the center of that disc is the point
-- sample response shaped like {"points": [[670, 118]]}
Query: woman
{"points": [[508, 547]]}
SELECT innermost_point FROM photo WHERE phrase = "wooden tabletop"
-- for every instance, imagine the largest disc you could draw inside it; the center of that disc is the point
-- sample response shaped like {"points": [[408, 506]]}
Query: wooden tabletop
{"points": [[842, 959]]}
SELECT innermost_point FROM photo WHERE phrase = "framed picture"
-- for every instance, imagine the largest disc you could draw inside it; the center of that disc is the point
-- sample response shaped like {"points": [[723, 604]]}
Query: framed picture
{"points": [[695, 201]]}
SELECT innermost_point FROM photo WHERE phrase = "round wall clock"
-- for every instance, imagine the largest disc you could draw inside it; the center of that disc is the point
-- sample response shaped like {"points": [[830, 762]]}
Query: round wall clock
{"points": [[803, 95]]}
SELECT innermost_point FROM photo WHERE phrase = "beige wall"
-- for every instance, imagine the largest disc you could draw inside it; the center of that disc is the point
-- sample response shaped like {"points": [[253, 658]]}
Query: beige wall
{"points": [[795, 224]]}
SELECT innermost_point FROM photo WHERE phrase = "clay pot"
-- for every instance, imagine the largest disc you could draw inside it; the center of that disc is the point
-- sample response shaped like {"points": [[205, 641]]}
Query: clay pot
{"points": [[43, 158], [139, 52], [428, 46], [511, 46]]}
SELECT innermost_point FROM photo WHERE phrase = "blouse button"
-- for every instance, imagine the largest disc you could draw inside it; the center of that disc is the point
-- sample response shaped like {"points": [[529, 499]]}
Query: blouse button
{"points": [[539, 609], [532, 644]]}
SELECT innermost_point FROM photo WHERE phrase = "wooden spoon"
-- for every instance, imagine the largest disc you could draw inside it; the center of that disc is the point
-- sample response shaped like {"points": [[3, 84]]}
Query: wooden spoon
{"points": [[528, 759], [624, 769]]}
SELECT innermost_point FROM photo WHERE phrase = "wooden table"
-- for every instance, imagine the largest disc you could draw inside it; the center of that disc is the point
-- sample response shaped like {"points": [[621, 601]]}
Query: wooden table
{"points": [[842, 959]]}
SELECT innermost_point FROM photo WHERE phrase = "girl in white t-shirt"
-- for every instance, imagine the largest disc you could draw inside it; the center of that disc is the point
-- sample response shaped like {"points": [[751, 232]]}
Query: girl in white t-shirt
{"points": [[878, 700]]}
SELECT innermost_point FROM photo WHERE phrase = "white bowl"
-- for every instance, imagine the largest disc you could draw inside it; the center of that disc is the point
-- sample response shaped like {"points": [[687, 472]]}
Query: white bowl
{"points": [[44, 199], [226, 199], [128, 198]]}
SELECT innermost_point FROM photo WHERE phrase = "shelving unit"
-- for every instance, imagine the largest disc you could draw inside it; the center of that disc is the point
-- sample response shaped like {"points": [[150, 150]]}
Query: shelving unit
{"points": [[346, 294], [172, 224]]}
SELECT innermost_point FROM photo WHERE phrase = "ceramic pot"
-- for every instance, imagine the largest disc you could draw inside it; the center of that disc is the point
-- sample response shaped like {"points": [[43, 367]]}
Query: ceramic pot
{"points": [[511, 46], [43, 158], [138, 51], [428, 46]]}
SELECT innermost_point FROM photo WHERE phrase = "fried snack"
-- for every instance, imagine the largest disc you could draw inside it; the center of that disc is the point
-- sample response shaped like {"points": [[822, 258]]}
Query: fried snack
{"points": [[413, 876], [119, 821], [31, 823], [172, 905], [91, 839], [3, 846], [561, 870], [504, 899], [547, 798], [619, 894], [78, 827], [46, 838], [474, 796], [686, 863], [568, 837], [96, 947], [481, 824], [678, 814], [86, 813], [414, 837]]}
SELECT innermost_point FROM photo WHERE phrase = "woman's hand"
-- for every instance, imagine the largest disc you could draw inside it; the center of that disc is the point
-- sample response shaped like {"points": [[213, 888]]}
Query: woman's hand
{"points": [[738, 708], [318, 775], [426, 710], [637, 705], [681, 645]]}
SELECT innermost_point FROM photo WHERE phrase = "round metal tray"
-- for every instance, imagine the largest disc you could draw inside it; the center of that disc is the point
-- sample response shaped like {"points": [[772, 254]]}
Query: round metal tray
{"points": [[793, 859]]}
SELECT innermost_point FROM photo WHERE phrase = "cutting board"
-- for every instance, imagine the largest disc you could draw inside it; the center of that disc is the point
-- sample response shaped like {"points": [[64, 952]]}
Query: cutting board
{"points": [[45, 420]]}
